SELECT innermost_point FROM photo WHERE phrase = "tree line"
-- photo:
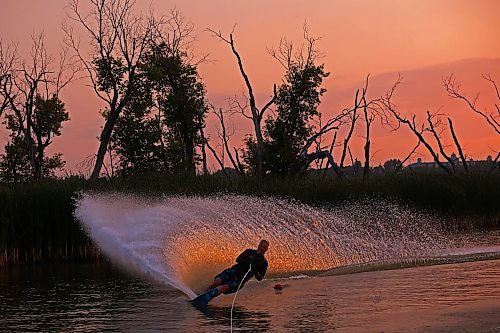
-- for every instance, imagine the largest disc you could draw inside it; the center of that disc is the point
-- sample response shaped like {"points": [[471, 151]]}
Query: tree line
{"points": [[142, 68]]}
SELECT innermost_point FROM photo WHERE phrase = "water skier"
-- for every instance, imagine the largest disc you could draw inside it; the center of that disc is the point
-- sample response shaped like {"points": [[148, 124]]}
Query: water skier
{"points": [[249, 263]]}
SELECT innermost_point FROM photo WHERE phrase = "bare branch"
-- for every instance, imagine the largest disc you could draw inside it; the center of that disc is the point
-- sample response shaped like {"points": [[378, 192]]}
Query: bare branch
{"points": [[453, 89], [400, 165], [236, 107], [385, 102], [225, 137], [488, 78], [218, 160]]}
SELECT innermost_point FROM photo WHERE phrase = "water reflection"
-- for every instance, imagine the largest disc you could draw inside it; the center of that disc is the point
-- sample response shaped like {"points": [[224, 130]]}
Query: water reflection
{"points": [[244, 320], [98, 298], [313, 314], [83, 298]]}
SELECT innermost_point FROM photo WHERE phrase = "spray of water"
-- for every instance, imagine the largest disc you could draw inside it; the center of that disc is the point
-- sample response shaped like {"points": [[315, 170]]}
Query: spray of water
{"points": [[183, 241]]}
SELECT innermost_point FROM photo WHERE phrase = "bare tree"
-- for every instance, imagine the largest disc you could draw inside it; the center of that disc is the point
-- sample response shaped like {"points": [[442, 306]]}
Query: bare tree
{"points": [[437, 137], [29, 94], [224, 135], [370, 113], [214, 153], [119, 39], [385, 104], [332, 124], [256, 113], [453, 89]]}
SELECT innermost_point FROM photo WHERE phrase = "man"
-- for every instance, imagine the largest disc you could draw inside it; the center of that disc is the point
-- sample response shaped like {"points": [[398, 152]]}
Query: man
{"points": [[249, 263]]}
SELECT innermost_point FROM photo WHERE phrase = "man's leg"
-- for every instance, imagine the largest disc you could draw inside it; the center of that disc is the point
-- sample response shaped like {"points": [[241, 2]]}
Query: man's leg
{"points": [[217, 282], [222, 289]]}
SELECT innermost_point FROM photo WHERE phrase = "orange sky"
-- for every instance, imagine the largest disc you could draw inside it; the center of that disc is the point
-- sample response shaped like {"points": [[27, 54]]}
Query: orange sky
{"points": [[423, 39]]}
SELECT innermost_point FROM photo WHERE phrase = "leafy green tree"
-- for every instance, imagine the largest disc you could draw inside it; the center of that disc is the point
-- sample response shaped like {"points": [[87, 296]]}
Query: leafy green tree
{"points": [[14, 163], [289, 134], [47, 118], [119, 37], [159, 128], [137, 134], [297, 104], [180, 96], [24, 163], [32, 110]]}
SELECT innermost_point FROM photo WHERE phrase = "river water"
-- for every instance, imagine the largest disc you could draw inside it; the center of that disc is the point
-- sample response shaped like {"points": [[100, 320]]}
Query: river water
{"points": [[338, 266], [96, 297]]}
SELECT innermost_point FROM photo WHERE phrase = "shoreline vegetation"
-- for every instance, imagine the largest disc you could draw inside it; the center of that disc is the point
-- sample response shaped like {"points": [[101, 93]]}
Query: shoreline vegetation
{"points": [[37, 222]]}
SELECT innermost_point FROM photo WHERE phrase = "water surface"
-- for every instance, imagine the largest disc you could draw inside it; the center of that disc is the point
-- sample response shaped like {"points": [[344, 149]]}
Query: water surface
{"points": [[95, 297], [163, 251]]}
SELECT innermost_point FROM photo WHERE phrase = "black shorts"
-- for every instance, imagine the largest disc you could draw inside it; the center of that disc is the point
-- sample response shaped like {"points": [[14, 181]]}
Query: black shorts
{"points": [[229, 277]]}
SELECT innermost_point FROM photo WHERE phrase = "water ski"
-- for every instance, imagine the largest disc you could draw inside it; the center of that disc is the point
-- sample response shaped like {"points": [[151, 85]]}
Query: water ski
{"points": [[203, 299]]}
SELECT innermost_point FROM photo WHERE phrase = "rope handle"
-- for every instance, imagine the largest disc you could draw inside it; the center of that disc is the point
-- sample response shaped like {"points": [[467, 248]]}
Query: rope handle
{"points": [[234, 299]]}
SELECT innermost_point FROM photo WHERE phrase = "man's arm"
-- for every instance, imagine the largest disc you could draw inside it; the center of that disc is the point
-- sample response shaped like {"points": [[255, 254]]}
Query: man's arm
{"points": [[259, 275]]}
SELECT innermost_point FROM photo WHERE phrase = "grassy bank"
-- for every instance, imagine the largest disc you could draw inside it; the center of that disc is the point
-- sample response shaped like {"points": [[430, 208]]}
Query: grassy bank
{"points": [[37, 223]]}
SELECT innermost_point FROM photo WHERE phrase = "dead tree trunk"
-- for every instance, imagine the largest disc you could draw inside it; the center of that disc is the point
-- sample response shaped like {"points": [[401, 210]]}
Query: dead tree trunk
{"points": [[351, 129], [330, 151], [432, 129], [460, 151], [368, 120], [203, 152], [256, 114], [332, 124], [309, 158]]}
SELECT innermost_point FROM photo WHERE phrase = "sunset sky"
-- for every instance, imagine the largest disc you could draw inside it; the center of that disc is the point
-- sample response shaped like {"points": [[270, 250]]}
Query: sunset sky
{"points": [[424, 40]]}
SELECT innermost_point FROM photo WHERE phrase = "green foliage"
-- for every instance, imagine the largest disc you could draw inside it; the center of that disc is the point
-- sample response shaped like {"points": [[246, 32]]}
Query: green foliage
{"points": [[249, 155], [14, 163], [110, 73], [46, 123], [391, 165], [48, 117], [162, 136], [181, 99], [137, 134], [297, 102], [39, 216]]}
